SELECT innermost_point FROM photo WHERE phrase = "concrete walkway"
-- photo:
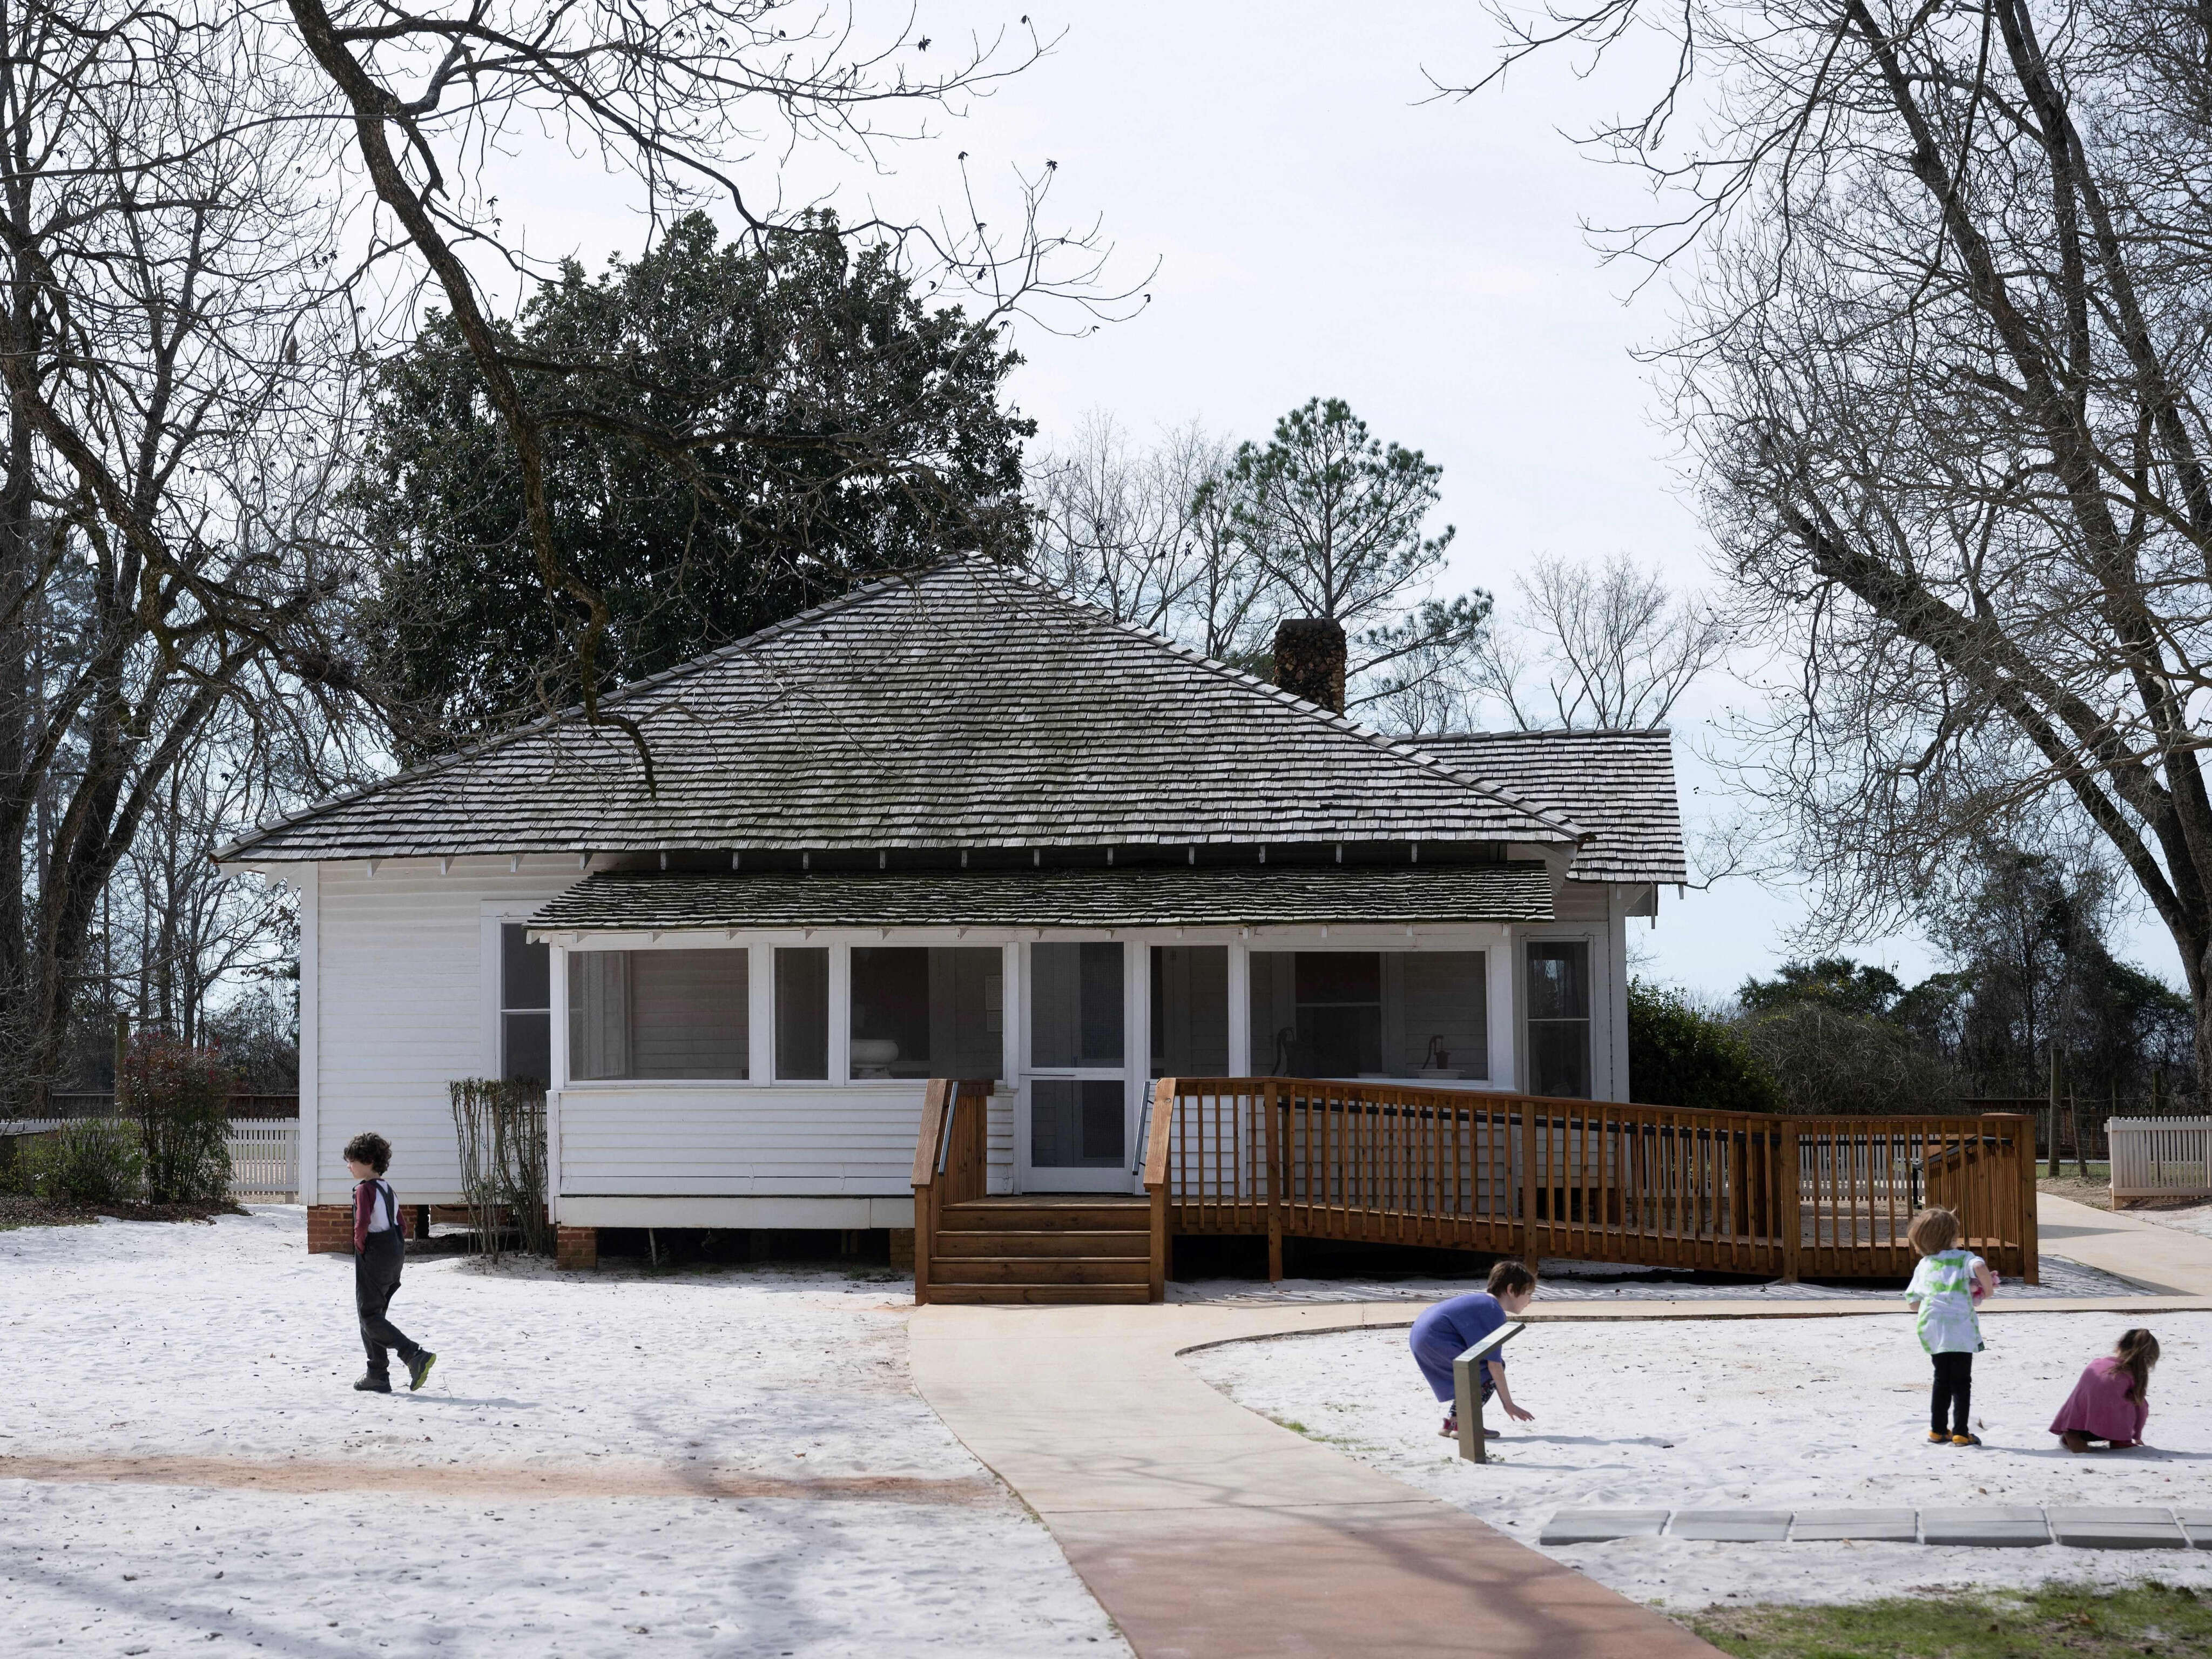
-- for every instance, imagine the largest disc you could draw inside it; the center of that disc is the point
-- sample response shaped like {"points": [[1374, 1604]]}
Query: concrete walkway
{"points": [[2165, 1259], [1208, 1532]]}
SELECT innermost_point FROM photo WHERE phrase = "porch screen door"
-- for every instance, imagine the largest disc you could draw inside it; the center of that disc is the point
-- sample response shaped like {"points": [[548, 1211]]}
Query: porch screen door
{"points": [[1076, 1086]]}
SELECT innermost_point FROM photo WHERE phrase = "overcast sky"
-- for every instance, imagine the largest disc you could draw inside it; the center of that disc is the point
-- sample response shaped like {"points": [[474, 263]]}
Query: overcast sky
{"points": [[1322, 227]]}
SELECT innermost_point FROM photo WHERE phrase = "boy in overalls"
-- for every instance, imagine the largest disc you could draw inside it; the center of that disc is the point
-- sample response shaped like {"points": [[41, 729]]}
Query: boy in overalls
{"points": [[379, 1250]]}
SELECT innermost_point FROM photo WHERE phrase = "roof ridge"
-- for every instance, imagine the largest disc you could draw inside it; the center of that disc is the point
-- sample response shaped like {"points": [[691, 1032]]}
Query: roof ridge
{"points": [[1546, 732], [1399, 748]]}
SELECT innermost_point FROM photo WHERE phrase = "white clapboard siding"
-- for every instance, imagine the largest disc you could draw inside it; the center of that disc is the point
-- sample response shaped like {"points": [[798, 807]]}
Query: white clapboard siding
{"points": [[739, 1142], [401, 1001]]}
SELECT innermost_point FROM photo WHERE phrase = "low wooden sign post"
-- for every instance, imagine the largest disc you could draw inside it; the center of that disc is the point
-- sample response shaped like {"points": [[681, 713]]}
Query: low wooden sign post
{"points": [[1466, 1389]]}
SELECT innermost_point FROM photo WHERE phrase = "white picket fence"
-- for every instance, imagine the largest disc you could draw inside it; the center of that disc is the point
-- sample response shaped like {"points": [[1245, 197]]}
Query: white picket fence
{"points": [[2161, 1157], [265, 1154]]}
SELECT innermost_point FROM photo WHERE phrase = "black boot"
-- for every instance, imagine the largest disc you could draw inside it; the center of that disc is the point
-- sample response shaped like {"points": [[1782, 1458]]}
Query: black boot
{"points": [[373, 1382]]}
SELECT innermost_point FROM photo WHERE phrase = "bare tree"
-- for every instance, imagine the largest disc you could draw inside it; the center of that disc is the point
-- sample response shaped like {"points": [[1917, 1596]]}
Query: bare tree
{"points": [[176, 356], [1149, 535], [678, 96], [1612, 647], [1945, 374]]}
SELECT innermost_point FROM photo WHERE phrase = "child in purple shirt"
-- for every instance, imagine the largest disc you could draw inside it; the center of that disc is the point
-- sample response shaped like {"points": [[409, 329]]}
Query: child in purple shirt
{"points": [[1450, 1329]]}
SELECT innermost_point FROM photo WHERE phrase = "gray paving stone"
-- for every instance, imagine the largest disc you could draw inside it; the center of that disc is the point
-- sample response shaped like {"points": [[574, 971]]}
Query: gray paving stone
{"points": [[2197, 1523], [1731, 1526], [1867, 1525], [2111, 1528], [1991, 1527], [1600, 1526]]}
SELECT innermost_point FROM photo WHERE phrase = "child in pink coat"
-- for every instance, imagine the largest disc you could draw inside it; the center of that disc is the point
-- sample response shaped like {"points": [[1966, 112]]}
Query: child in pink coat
{"points": [[2112, 1400]]}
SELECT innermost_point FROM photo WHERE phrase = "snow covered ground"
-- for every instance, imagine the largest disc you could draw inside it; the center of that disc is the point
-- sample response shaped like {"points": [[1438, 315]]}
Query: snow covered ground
{"points": [[2195, 1219], [204, 1473], [1827, 1413]]}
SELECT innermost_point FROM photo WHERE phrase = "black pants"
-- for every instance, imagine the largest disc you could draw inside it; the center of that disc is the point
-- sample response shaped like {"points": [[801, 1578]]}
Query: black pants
{"points": [[1955, 1387], [376, 1281]]}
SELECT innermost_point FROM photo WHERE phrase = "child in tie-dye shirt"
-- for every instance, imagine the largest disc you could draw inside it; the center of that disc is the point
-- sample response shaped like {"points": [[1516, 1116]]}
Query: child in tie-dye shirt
{"points": [[1945, 1287]]}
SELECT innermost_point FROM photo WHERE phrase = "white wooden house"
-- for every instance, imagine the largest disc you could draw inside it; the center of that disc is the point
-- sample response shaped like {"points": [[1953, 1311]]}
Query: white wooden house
{"points": [[950, 825]]}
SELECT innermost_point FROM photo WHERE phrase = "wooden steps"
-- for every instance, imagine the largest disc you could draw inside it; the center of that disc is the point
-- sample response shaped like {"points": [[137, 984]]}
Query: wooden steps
{"points": [[1044, 1248]]}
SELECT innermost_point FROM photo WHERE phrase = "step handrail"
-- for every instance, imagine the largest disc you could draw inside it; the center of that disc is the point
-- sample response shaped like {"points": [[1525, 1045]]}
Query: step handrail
{"points": [[955, 1119]]}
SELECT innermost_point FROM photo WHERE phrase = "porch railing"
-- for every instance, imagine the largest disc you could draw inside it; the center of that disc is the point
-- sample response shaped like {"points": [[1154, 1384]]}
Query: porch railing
{"points": [[1645, 1185], [951, 1161]]}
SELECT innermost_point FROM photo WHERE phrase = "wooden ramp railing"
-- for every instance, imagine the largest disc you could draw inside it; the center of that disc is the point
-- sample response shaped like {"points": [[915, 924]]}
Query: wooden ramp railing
{"points": [[951, 1162], [1731, 1192]]}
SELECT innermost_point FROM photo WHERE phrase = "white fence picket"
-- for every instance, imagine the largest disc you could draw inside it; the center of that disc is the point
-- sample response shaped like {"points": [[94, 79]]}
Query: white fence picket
{"points": [[265, 1154], [2161, 1157]]}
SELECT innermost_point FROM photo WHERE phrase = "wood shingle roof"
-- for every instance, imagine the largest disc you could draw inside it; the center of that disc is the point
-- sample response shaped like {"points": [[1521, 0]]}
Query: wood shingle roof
{"points": [[965, 706], [1254, 895], [1620, 786]]}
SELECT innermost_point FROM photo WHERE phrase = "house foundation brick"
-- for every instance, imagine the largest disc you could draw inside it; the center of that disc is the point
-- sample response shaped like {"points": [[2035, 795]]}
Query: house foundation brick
{"points": [[576, 1247], [330, 1226], [330, 1229]]}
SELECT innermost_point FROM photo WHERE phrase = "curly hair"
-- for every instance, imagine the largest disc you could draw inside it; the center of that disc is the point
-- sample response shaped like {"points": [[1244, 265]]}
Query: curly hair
{"points": [[373, 1150]]}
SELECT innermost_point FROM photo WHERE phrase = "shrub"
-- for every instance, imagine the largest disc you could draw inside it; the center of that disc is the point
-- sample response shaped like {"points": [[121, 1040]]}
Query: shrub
{"points": [[1679, 1055], [96, 1161], [500, 1124], [1831, 1061], [181, 1097]]}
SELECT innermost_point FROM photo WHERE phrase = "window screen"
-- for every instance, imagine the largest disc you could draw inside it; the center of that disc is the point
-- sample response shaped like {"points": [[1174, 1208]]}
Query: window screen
{"points": [[1075, 1017], [802, 1014], [657, 1014], [928, 1012], [1370, 1014], [1190, 1011]]}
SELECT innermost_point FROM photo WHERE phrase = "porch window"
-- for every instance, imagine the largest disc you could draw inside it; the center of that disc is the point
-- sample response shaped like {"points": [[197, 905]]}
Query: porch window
{"points": [[1190, 1011], [928, 1012], [1560, 1019], [657, 1014], [1371, 1014], [526, 1006], [802, 1015]]}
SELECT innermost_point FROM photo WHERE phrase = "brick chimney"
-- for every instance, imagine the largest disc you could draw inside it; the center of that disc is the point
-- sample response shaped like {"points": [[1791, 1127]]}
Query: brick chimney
{"points": [[1310, 661]]}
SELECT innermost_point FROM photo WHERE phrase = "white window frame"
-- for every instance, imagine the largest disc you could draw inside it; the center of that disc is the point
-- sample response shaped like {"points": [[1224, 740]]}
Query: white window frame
{"points": [[492, 991], [1595, 962]]}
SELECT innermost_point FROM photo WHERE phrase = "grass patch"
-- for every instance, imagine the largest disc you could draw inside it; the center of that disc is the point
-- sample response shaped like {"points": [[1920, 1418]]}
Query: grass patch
{"points": [[2078, 1621]]}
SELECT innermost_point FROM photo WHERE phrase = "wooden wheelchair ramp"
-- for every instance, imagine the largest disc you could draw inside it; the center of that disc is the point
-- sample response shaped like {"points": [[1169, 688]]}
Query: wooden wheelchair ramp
{"points": [[1512, 1175]]}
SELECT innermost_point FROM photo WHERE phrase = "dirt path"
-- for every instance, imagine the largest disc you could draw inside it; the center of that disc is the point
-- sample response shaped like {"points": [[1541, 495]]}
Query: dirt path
{"points": [[496, 1481]]}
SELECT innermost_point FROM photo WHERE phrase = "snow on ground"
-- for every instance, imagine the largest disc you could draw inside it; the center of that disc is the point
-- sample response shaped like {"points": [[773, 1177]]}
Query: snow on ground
{"points": [[1801, 1413], [2195, 1218], [229, 1343]]}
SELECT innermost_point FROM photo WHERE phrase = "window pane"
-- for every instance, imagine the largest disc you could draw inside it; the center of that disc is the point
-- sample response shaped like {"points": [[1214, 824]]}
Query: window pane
{"points": [[1316, 1013], [802, 1014], [1076, 1125], [1190, 1011], [688, 1013], [1558, 980], [935, 1013], [526, 975], [1559, 1018], [1436, 1008], [527, 1043], [1076, 1019], [599, 1014], [1559, 1058]]}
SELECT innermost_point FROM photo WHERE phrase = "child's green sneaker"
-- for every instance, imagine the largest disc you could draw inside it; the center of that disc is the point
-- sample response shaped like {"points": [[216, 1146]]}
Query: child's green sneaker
{"points": [[418, 1368], [371, 1383]]}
